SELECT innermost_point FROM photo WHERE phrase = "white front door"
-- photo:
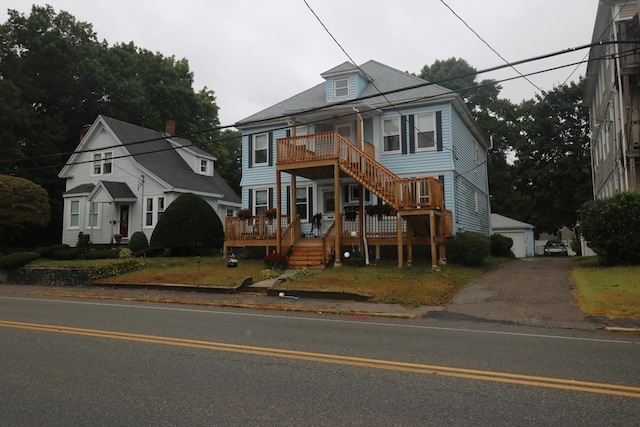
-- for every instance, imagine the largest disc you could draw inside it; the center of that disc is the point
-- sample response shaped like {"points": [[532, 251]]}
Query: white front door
{"points": [[346, 131], [327, 208]]}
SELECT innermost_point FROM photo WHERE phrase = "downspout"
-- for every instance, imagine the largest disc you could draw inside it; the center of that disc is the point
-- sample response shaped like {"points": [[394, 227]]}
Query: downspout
{"points": [[363, 230], [622, 124]]}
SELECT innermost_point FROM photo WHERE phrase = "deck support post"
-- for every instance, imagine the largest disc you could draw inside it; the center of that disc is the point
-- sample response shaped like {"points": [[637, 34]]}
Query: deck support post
{"points": [[399, 233], [337, 214], [409, 242], [432, 235], [278, 211]]}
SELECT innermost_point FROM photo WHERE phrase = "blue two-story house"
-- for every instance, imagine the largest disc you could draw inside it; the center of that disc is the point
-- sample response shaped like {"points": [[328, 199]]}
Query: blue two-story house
{"points": [[374, 156]]}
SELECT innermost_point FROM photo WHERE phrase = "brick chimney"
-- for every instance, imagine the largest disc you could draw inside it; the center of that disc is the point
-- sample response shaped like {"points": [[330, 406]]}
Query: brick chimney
{"points": [[170, 127], [84, 131]]}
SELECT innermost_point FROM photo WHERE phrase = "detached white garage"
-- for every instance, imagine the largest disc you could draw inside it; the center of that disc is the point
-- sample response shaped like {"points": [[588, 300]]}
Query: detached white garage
{"points": [[520, 232]]}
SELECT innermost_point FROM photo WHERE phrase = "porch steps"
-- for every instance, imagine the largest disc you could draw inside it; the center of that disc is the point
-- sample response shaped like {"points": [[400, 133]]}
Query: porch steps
{"points": [[307, 253]]}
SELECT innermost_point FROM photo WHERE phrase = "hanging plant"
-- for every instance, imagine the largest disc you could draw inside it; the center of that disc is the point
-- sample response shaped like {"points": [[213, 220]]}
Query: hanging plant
{"points": [[244, 214], [271, 213]]}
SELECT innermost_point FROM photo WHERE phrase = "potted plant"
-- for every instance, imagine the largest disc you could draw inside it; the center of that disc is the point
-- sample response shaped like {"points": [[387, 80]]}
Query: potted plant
{"points": [[244, 214], [271, 213], [117, 237]]}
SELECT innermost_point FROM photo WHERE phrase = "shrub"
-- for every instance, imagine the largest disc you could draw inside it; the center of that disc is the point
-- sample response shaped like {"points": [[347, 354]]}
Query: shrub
{"points": [[270, 273], [469, 249], [18, 259], [138, 242], [117, 268], [84, 240], [102, 254], [612, 228], [149, 252], [47, 252], [125, 253], [187, 223], [66, 254], [501, 246]]}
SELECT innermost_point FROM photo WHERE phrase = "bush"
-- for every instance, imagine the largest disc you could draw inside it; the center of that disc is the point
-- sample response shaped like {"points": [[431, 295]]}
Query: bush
{"points": [[47, 252], [18, 259], [117, 268], [102, 254], [274, 260], [84, 240], [612, 228], [138, 242], [469, 249], [66, 254], [501, 246], [148, 252], [188, 223]]}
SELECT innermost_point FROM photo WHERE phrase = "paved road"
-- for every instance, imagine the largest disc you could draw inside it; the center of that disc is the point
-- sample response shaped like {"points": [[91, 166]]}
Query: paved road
{"points": [[69, 361]]}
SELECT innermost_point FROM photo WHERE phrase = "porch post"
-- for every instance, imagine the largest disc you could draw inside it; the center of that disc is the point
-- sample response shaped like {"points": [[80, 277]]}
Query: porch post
{"points": [[410, 241], [432, 235], [362, 225], [399, 234], [292, 208], [338, 214], [278, 211]]}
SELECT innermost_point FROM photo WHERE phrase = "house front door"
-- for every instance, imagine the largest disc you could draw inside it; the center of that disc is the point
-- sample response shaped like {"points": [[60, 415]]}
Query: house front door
{"points": [[346, 131], [328, 208], [124, 220]]}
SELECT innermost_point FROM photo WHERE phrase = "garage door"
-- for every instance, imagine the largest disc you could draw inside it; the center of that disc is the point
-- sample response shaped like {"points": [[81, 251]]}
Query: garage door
{"points": [[519, 247]]}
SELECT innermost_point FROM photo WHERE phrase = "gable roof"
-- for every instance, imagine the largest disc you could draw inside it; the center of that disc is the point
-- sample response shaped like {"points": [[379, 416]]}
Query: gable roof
{"points": [[398, 87], [153, 151], [501, 222], [117, 191]]}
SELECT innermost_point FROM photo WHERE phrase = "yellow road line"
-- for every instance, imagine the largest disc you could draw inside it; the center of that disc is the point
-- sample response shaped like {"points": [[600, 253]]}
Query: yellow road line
{"points": [[536, 381]]}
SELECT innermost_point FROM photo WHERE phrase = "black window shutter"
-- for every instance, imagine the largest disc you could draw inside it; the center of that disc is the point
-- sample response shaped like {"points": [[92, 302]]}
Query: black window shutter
{"points": [[310, 201], [288, 200], [270, 202], [270, 149], [439, 129], [250, 190], [250, 148], [345, 193], [403, 130], [441, 178], [367, 195], [412, 134], [288, 133]]}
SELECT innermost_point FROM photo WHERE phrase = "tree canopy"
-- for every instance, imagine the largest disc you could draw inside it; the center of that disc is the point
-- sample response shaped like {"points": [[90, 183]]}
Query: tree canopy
{"points": [[539, 166], [56, 77]]}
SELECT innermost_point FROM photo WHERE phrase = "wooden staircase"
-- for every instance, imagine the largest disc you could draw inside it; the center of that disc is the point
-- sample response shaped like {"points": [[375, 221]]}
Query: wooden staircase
{"points": [[306, 253]]}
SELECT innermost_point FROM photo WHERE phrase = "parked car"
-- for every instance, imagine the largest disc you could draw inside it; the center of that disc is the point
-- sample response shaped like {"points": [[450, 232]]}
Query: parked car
{"points": [[555, 248]]}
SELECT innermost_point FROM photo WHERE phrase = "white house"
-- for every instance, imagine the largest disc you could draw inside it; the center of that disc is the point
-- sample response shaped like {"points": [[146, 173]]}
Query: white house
{"points": [[122, 177]]}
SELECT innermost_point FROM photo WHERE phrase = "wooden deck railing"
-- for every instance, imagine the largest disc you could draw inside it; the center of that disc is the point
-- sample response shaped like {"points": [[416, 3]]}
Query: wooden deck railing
{"points": [[328, 243], [290, 235], [400, 193], [258, 227]]}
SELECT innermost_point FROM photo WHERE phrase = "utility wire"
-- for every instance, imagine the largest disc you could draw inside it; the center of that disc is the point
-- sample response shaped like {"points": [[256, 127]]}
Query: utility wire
{"points": [[409, 100], [489, 46]]}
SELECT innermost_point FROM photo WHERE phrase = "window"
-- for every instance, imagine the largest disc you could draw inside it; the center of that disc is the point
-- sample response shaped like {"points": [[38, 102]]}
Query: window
{"points": [[94, 209], [260, 149], [262, 202], [230, 212], [391, 134], [148, 213], [204, 166], [354, 193], [102, 163], [74, 215], [425, 132], [302, 202], [340, 88], [153, 210]]}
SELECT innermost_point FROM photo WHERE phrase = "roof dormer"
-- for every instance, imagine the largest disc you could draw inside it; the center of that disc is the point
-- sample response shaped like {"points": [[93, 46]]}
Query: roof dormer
{"points": [[344, 82]]}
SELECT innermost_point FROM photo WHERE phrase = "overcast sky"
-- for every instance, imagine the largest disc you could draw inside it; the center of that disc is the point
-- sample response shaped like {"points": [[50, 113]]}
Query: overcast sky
{"points": [[255, 53]]}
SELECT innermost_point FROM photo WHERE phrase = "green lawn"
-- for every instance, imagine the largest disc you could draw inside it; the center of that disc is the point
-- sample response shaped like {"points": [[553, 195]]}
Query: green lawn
{"points": [[607, 291]]}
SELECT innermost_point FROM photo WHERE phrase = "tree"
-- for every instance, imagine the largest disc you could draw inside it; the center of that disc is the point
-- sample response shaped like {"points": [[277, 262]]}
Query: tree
{"points": [[612, 227], [56, 77], [188, 223], [24, 204], [552, 170]]}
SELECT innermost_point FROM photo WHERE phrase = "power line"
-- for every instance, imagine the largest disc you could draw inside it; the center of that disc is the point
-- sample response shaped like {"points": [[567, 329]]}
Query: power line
{"points": [[311, 110], [489, 46]]}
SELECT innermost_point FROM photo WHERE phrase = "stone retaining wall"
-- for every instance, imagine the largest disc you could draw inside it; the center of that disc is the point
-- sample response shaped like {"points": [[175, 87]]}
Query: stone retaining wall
{"points": [[46, 276]]}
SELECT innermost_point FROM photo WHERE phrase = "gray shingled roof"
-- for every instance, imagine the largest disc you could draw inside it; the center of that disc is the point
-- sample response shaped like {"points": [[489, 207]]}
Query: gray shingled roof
{"points": [[384, 79], [81, 189], [118, 190], [160, 158]]}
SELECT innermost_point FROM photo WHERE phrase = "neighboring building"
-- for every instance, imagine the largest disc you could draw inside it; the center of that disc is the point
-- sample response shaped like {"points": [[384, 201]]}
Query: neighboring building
{"points": [[122, 177], [367, 134], [520, 232], [612, 94]]}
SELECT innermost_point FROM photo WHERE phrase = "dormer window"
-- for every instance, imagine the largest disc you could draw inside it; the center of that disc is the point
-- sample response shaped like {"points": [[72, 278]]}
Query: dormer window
{"points": [[341, 88], [102, 163], [204, 167]]}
